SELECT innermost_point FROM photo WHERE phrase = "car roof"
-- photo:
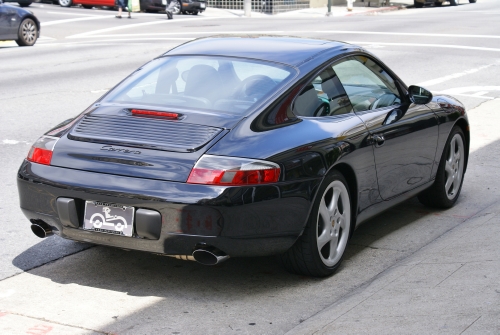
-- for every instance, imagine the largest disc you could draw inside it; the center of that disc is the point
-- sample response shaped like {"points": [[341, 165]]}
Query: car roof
{"points": [[282, 49]]}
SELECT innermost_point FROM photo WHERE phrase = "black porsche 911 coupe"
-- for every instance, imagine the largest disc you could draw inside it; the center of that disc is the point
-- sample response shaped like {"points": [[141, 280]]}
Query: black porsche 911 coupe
{"points": [[246, 146]]}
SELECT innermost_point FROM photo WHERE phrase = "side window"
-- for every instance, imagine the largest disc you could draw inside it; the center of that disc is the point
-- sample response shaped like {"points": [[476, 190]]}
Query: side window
{"points": [[324, 96], [367, 84]]}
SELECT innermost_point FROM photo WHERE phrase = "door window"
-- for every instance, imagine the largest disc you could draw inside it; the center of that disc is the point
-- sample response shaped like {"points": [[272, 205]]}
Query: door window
{"points": [[324, 96], [367, 84]]}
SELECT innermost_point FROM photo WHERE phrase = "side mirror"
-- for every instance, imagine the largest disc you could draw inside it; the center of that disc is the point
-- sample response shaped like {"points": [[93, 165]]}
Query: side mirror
{"points": [[419, 95]]}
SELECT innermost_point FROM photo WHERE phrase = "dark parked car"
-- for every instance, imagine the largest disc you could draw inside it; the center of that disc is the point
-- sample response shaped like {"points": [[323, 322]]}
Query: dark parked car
{"points": [[188, 6], [146, 5], [18, 24], [246, 146], [439, 3], [22, 3]]}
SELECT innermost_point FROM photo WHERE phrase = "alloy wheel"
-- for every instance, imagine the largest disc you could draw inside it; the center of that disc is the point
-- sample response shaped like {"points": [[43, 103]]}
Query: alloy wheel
{"points": [[176, 7], [29, 31], [333, 223], [454, 166]]}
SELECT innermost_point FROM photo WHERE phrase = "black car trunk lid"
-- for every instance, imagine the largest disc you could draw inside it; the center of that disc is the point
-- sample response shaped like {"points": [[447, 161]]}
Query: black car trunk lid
{"points": [[112, 140]]}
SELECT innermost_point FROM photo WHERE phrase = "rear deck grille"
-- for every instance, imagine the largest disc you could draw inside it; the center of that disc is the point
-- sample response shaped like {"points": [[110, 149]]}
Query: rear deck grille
{"points": [[143, 132]]}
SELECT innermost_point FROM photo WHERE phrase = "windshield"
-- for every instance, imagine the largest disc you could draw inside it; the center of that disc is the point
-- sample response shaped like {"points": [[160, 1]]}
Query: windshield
{"points": [[223, 84]]}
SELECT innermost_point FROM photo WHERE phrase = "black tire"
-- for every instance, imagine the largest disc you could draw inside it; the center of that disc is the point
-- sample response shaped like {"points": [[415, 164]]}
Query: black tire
{"points": [[87, 6], [195, 12], [305, 257], [418, 4], [454, 2], [438, 196], [438, 4], [24, 4], [27, 33], [472, 1], [65, 3]]}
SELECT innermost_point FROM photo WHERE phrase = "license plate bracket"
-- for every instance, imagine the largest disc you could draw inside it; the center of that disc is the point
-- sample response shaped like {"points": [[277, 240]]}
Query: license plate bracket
{"points": [[109, 218]]}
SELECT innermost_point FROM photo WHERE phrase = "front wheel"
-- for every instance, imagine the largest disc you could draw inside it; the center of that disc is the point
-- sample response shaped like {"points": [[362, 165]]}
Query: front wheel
{"points": [[24, 4], [65, 3], [472, 1], [450, 174], [27, 34], [320, 249], [438, 4], [454, 2]]}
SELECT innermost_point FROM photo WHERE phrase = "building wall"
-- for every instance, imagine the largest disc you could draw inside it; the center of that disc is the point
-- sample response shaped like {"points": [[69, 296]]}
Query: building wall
{"points": [[270, 6]]}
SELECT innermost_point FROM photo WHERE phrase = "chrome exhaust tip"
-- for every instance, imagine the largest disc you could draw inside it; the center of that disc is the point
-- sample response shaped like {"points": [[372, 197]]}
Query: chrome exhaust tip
{"points": [[40, 228], [209, 256]]}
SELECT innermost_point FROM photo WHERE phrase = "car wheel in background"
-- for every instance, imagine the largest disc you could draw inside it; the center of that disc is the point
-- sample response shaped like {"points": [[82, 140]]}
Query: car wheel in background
{"points": [[454, 2], [87, 6], [450, 175], [175, 7], [27, 33], [472, 1], [418, 4], [320, 249], [195, 12], [65, 3], [24, 4], [438, 4]]}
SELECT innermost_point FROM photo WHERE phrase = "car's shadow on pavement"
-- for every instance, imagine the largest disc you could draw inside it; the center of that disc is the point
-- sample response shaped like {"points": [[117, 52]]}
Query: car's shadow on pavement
{"points": [[145, 274]]}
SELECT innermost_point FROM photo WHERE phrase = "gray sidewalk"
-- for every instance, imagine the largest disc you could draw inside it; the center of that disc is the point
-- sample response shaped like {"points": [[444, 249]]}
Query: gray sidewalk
{"points": [[452, 285]]}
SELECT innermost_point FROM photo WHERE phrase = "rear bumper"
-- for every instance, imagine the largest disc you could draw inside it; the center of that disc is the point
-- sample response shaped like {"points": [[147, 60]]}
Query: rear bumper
{"points": [[241, 221], [193, 6]]}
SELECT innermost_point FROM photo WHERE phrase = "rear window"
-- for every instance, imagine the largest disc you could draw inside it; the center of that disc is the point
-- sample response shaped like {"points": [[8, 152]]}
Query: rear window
{"points": [[196, 82]]}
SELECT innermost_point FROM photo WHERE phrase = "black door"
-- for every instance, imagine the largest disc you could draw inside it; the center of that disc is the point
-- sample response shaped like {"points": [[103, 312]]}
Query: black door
{"points": [[404, 135], [9, 22]]}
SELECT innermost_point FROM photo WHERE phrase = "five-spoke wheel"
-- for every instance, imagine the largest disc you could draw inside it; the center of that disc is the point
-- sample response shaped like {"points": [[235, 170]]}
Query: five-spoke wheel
{"points": [[320, 249], [450, 174]]}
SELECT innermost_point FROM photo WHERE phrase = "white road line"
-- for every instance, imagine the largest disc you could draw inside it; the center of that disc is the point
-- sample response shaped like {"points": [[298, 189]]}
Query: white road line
{"points": [[466, 95], [73, 14], [298, 32], [132, 39], [100, 17], [472, 91], [404, 34], [186, 33], [446, 46], [132, 26], [454, 76]]}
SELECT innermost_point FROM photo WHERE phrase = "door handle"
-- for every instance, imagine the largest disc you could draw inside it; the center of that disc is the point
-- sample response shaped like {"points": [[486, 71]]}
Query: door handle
{"points": [[379, 140]]}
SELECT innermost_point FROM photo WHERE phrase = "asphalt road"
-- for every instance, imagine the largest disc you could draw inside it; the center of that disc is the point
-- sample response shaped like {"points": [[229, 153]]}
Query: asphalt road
{"points": [[83, 53]]}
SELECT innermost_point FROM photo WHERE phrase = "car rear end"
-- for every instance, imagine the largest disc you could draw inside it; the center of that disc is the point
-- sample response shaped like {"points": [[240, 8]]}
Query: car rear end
{"points": [[131, 172]]}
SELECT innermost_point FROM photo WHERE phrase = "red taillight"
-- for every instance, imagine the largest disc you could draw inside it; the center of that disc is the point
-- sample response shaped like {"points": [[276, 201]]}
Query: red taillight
{"points": [[41, 151], [145, 112], [219, 170]]}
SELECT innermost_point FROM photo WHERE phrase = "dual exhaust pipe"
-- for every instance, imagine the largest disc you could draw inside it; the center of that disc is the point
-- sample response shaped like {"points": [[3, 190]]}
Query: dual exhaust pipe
{"points": [[206, 255]]}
